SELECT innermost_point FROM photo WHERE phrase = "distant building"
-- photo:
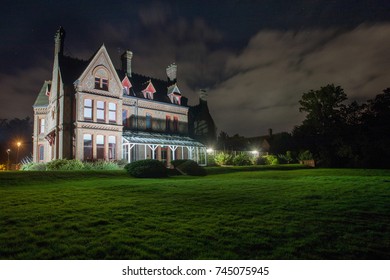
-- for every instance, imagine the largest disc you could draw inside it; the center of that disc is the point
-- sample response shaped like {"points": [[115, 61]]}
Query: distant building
{"points": [[201, 124], [91, 111]]}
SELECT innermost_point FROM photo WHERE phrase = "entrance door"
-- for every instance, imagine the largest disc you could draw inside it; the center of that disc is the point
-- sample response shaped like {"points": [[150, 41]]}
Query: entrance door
{"points": [[164, 155]]}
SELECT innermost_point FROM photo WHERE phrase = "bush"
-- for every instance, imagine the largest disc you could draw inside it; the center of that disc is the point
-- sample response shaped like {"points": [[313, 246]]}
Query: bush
{"points": [[65, 165], [148, 168], [31, 166], [210, 160], [56, 164], [223, 159], [3, 167], [103, 165], [271, 160], [305, 155], [191, 168], [242, 159]]}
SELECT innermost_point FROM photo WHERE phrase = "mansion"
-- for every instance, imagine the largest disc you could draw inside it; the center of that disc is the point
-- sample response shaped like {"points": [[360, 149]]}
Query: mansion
{"points": [[90, 110]]}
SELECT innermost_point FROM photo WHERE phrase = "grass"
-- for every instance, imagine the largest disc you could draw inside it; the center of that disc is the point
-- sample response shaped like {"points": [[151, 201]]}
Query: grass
{"points": [[233, 213]]}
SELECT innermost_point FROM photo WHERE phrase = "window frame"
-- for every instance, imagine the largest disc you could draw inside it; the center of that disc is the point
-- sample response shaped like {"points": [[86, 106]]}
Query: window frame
{"points": [[89, 109], [100, 110]]}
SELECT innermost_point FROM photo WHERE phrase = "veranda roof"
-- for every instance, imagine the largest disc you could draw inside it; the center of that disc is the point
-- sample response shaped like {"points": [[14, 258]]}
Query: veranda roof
{"points": [[153, 138]]}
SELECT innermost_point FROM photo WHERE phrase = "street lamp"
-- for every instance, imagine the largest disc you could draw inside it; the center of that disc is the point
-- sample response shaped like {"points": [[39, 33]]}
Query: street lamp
{"points": [[17, 151], [8, 151]]}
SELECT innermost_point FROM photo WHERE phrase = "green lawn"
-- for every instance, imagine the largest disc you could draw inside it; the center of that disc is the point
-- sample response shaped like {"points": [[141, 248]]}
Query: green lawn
{"points": [[233, 213]]}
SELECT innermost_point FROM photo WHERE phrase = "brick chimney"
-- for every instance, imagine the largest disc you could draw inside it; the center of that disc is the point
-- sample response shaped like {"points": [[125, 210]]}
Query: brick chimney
{"points": [[172, 72], [126, 62]]}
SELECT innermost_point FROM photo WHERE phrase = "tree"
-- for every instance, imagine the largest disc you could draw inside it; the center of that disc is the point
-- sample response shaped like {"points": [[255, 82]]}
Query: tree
{"points": [[322, 129], [324, 107]]}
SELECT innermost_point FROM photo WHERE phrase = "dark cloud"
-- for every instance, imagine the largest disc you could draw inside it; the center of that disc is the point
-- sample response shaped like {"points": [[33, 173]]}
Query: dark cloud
{"points": [[266, 80], [255, 57]]}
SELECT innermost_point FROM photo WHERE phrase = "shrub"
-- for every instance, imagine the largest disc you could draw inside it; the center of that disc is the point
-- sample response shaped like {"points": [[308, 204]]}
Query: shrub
{"points": [[65, 164], [148, 168], [223, 159], [31, 166], [305, 155], [210, 160], [121, 163], [103, 165], [56, 164], [3, 167], [191, 168], [271, 160], [242, 159]]}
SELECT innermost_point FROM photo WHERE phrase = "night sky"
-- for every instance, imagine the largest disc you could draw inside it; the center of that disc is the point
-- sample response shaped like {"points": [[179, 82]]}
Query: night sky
{"points": [[256, 58]]}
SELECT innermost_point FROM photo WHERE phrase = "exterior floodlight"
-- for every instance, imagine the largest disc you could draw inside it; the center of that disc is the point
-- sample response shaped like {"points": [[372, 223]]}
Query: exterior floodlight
{"points": [[210, 150], [255, 152]]}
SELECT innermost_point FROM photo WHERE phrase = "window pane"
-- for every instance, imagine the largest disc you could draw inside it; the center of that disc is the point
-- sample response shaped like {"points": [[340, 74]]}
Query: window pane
{"points": [[100, 104], [112, 112], [88, 109], [100, 147], [41, 152], [124, 118], [112, 106], [87, 147], [42, 126], [148, 121], [111, 147], [100, 112]]}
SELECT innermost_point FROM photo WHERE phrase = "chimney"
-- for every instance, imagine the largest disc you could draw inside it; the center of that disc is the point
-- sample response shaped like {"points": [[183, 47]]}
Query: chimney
{"points": [[172, 72], [126, 62], [59, 41], [203, 94]]}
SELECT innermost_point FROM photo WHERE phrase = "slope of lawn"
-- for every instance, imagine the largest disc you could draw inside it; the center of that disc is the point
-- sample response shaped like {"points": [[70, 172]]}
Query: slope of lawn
{"points": [[233, 213]]}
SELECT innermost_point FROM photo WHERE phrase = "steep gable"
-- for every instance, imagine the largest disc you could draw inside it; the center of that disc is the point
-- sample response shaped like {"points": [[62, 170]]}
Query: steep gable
{"points": [[100, 76]]}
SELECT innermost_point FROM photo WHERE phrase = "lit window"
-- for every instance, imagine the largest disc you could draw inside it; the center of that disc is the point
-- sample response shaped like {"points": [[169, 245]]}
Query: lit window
{"points": [[41, 153], [112, 112], [87, 109], [148, 121], [168, 123], [88, 147], [111, 147], [41, 126], [100, 147], [100, 112]]}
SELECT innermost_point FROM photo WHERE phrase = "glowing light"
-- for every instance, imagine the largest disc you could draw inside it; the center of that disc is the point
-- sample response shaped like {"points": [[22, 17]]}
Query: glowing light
{"points": [[255, 152], [210, 150]]}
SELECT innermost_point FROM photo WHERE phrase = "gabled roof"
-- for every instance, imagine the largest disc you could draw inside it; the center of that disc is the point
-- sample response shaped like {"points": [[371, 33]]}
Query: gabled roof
{"points": [[72, 68], [42, 99]]}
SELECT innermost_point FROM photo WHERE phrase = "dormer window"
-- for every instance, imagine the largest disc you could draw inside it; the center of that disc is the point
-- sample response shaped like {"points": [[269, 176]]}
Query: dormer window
{"points": [[149, 91], [101, 78], [174, 94]]}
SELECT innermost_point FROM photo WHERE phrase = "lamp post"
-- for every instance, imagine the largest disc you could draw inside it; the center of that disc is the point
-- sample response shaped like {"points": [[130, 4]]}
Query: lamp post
{"points": [[8, 151], [17, 151]]}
